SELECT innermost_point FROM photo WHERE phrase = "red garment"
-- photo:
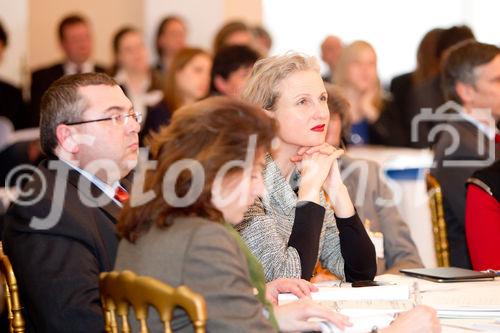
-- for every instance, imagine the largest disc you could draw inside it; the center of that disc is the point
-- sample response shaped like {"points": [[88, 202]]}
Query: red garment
{"points": [[482, 227]]}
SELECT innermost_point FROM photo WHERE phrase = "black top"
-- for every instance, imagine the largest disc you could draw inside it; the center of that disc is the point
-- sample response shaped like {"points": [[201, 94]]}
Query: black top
{"points": [[157, 116], [12, 105], [490, 178], [355, 244]]}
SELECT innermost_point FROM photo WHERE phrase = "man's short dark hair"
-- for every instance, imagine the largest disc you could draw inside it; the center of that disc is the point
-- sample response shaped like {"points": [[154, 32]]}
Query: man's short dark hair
{"points": [[229, 59], [460, 62], [3, 35], [68, 21], [62, 103]]}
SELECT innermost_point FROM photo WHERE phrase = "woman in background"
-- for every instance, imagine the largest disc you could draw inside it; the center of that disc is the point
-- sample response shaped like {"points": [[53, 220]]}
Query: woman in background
{"points": [[187, 81], [170, 38], [132, 71], [374, 117]]}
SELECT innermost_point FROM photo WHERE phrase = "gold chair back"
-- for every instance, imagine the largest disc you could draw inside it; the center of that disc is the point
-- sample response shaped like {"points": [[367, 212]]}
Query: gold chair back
{"points": [[119, 290], [438, 221], [11, 294]]}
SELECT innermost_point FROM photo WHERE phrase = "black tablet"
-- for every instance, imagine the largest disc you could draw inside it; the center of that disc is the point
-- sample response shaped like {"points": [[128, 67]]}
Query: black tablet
{"points": [[448, 274]]}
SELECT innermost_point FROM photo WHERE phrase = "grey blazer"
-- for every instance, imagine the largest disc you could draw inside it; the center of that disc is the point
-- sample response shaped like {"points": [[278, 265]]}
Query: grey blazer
{"points": [[203, 256], [268, 224], [372, 198]]}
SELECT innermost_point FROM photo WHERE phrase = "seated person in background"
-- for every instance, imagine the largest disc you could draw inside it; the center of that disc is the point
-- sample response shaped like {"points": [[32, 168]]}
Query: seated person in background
{"points": [[307, 213], [171, 37], [132, 71], [187, 81], [364, 180], [231, 70], [330, 53], [374, 117], [233, 33], [428, 93], [471, 72], [193, 243], [76, 42], [262, 40], [482, 218], [60, 234], [403, 87], [12, 105]]}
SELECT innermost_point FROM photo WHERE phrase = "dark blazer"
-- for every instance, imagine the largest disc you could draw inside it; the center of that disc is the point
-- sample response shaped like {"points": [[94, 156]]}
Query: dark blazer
{"points": [[403, 93], [452, 181], [12, 105], [58, 268], [157, 116], [202, 255], [40, 81]]}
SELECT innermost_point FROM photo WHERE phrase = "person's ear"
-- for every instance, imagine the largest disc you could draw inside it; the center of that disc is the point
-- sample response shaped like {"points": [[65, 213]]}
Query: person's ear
{"points": [[66, 138], [465, 92], [220, 84]]}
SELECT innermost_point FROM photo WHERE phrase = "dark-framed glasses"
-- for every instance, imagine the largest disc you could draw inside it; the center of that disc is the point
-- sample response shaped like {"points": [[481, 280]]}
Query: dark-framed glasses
{"points": [[120, 119]]}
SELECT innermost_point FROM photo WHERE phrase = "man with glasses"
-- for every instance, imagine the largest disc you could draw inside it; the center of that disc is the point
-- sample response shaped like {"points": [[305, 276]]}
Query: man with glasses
{"points": [[60, 233]]}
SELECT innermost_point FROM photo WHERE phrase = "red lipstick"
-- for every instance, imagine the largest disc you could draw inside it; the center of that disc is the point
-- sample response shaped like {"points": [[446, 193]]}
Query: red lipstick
{"points": [[318, 128]]}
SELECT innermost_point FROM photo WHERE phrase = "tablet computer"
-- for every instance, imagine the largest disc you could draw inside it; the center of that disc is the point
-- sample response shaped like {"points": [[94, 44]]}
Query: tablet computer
{"points": [[448, 274]]}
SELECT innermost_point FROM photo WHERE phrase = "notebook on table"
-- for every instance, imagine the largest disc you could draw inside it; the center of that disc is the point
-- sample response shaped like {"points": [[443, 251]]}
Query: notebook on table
{"points": [[448, 274]]}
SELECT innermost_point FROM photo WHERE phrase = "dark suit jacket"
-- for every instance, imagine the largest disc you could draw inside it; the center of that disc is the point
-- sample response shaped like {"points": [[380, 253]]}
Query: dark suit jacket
{"points": [[12, 105], [58, 268], [403, 93], [40, 81], [452, 181]]}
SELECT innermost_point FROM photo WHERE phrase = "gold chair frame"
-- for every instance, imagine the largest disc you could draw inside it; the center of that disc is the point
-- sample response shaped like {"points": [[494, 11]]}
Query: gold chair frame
{"points": [[119, 290], [11, 291], [438, 221]]}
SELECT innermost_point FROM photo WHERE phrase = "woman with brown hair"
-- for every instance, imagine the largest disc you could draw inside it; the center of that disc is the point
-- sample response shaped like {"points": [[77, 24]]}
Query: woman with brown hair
{"points": [[187, 81], [208, 174], [132, 72], [170, 38]]}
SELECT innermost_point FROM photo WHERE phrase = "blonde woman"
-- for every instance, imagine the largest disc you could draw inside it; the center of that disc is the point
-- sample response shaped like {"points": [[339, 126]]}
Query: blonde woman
{"points": [[307, 205], [375, 119]]}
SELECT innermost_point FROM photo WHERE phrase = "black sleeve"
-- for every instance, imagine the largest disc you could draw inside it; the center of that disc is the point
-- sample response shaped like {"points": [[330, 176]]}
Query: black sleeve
{"points": [[305, 235], [360, 262]]}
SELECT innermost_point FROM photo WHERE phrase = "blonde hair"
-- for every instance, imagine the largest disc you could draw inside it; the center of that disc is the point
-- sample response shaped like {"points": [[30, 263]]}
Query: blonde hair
{"points": [[262, 87], [347, 56]]}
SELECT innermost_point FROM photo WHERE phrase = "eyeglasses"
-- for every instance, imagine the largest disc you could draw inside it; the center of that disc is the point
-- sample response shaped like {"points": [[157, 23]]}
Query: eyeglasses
{"points": [[121, 119]]}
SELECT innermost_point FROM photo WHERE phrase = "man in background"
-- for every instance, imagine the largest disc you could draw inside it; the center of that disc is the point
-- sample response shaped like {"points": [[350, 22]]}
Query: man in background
{"points": [[75, 39]]}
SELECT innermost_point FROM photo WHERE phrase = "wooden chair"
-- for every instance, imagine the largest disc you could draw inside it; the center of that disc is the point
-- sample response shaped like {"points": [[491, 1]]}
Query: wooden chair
{"points": [[438, 221], [10, 289], [119, 290]]}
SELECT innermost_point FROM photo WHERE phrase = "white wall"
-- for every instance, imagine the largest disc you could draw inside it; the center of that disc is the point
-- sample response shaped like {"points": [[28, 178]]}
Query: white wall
{"points": [[14, 17], [394, 27], [204, 18]]}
